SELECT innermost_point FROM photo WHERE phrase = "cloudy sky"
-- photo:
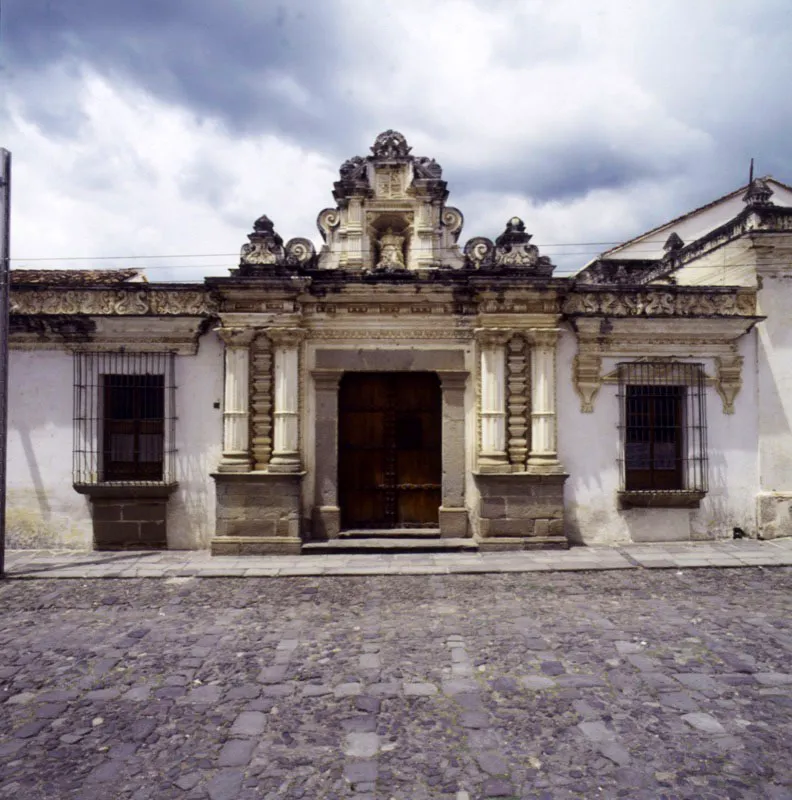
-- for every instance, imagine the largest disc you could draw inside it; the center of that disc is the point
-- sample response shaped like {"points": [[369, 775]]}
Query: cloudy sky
{"points": [[164, 127]]}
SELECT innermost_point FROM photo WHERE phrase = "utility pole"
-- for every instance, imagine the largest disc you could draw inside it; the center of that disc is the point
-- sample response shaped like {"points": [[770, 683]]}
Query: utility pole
{"points": [[5, 288]]}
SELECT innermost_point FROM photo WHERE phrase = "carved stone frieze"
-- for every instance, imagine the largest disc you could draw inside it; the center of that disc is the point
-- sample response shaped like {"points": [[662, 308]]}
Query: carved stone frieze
{"points": [[517, 402], [652, 303], [113, 302]]}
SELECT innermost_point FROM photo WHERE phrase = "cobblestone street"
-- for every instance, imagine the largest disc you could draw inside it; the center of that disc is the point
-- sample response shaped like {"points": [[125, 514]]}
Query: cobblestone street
{"points": [[620, 684]]}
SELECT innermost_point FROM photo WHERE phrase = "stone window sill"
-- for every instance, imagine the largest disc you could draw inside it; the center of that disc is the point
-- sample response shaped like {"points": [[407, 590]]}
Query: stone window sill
{"points": [[128, 489], [668, 499]]}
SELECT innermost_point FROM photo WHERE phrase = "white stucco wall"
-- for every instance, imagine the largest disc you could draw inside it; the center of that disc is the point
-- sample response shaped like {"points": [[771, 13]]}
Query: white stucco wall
{"points": [[199, 444], [774, 378], [43, 510], [589, 445]]}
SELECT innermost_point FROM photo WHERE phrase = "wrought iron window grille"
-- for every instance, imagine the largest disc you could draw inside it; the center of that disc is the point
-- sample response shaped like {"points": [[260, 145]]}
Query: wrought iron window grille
{"points": [[662, 428], [124, 419]]}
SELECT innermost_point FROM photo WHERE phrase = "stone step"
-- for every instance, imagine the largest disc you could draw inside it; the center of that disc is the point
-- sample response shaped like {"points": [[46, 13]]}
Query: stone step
{"points": [[391, 533], [390, 544]]}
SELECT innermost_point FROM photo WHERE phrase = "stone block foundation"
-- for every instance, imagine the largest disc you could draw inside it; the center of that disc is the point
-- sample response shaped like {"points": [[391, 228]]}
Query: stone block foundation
{"points": [[521, 511], [258, 513], [129, 517]]}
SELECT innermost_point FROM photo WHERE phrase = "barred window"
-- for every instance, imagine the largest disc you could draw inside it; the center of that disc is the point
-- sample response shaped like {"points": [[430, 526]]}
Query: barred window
{"points": [[663, 427], [124, 418]]}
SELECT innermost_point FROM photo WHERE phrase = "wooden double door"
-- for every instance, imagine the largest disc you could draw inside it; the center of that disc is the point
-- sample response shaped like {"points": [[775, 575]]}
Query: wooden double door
{"points": [[389, 450]]}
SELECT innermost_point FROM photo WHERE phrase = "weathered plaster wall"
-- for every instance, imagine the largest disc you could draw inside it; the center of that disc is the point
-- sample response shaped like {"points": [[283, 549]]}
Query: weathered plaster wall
{"points": [[774, 376], [199, 437], [43, 510], [589, 445]]}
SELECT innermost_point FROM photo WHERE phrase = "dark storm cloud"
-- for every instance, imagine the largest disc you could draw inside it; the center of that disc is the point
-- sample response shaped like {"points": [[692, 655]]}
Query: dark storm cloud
{"points": [[235, 59]]}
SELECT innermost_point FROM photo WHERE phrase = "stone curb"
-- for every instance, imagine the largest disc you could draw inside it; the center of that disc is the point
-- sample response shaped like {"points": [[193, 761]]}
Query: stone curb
{"points": [[37, 564]]}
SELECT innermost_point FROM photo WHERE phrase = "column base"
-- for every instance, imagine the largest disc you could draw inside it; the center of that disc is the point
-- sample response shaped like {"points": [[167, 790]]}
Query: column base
{"points": [[285, 463], [241, 463], [544, 465], [326, 522], [494, 463], [453, 523]]}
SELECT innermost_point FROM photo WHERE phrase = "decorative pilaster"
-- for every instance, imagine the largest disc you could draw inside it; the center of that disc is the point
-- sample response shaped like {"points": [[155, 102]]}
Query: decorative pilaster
{"points": [[587, 378], [261, 401], [286, 440], [327, 514], [492, 413], [517, 403], [453, 515], [236, 449], [544, 454]]}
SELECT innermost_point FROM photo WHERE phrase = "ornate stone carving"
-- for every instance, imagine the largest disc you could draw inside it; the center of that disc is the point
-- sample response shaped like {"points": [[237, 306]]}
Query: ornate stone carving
{"points": [[354, 169], [758, 194], [300, 252], [513, 249], [492, 337], [328, 219], [261, 402], [265, 247], [479, 252], [729, 380], [452, 220], [586, 377], [517, 402], [427, 168], [390, 145], [112, 302], [286, 337], [651, 303], [391, 248], [236, 337]]}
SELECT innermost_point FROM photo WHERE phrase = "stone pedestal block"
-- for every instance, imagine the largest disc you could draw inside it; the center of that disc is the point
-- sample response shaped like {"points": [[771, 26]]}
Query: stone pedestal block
{"points": [[453, 522], [129, 517], [258, 513], [521, 510]]}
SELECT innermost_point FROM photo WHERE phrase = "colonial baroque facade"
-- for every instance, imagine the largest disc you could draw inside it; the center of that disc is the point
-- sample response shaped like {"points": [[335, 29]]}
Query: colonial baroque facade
{"points": [[397, 380]]}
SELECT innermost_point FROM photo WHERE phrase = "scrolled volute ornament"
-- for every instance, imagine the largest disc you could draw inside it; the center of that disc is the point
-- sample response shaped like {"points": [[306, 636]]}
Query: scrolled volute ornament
{"points": [[478, 252], [452, 220], [300, 252], [328, 219]]}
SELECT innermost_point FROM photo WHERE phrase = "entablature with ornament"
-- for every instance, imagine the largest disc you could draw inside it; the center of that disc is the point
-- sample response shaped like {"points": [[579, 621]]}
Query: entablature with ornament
{"points": [[657, 339]]}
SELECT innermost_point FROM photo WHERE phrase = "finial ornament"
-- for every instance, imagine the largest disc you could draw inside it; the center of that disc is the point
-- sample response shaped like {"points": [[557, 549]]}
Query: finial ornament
{"points": [[390, 144], [758, 194]]}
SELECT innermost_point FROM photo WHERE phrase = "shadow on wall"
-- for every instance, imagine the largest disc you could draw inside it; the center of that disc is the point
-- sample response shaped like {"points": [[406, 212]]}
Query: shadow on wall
{"points": [[31, 520], [191, 510]]}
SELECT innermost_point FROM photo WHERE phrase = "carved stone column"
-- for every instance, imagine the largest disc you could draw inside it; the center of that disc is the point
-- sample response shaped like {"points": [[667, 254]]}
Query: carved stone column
{"points": [[453, 513], [286, 415], [492, 370], [517, 403], [544, 452], [236, 397], [327, 514]]}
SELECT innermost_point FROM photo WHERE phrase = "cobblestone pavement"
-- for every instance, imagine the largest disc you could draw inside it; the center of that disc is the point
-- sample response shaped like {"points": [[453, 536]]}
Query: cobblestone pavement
{"points": [[622, 684]]}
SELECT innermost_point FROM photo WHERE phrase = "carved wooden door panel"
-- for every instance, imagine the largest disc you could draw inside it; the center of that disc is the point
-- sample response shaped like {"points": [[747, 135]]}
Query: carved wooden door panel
{"points": [[389, 450]]}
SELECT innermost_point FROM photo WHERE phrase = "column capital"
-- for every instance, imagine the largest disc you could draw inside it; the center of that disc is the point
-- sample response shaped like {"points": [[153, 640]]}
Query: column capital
{"points": [[543, 337], [286, 337], [493, 337], [236, 337]]}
